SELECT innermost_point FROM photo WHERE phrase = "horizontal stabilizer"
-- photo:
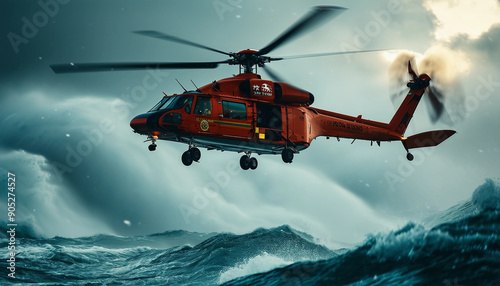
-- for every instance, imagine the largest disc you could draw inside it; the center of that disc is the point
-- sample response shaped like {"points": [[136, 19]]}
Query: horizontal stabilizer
{"points": [[427, 139]]}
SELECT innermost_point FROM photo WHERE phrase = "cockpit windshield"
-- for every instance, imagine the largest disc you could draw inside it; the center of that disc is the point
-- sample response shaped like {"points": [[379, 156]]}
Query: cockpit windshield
{"points": [[159, 105], [178, 102], [172, 102]]}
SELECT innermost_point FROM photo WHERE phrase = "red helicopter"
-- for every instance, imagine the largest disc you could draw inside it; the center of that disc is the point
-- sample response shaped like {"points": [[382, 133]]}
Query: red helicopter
{"points": [[248, 114]]}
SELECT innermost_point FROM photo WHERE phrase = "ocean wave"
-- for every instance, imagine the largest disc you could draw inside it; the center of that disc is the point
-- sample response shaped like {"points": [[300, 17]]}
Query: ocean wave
{"points": [[466, 251], [487, 196], [462, 247], [114, 259]]}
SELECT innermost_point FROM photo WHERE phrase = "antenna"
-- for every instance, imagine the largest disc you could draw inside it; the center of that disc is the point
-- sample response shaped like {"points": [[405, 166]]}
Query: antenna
{"points": [[197, 89], [185, 90]]}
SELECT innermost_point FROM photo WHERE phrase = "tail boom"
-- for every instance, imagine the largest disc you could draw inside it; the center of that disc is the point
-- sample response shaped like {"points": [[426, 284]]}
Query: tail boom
{"points": [[327, 123]]}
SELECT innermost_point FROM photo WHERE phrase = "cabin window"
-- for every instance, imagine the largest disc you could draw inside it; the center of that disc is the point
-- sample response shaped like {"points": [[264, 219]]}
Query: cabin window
{"points": [[203, 106], [234, 110]]}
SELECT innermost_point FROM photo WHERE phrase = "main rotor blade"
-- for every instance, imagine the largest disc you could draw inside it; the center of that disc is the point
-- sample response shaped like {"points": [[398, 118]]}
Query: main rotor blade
{"points": [[307, 22], [325, 54], [97, 67], [163, 36], [273, 75]]}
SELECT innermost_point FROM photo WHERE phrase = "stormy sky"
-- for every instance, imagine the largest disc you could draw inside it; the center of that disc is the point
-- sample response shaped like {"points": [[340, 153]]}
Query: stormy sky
{"points": [[81, 170]]}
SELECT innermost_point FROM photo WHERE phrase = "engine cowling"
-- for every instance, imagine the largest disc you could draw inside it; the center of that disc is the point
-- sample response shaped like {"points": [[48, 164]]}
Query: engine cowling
{"points": [[278, 92], [285, 93], [258, 88]]}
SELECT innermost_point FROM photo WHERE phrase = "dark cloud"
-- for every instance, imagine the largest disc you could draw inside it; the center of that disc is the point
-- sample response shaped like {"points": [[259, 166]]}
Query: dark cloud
{"points": [[484, 48]]}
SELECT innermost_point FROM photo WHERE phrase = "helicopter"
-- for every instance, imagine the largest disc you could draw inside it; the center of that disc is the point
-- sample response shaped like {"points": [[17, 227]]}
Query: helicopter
{"points": [[251, 115]]}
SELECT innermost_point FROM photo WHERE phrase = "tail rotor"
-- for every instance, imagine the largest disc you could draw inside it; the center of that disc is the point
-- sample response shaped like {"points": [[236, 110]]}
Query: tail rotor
{"points": [[404, 68]]}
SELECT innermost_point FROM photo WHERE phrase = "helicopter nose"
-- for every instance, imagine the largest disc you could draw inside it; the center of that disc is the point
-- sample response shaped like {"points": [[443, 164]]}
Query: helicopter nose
{"points": [[140, 123]]}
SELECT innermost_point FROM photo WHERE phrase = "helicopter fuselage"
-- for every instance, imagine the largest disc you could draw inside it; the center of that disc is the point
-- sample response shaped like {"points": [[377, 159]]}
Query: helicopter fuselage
{"points": [[243, 113], [247, 114]]}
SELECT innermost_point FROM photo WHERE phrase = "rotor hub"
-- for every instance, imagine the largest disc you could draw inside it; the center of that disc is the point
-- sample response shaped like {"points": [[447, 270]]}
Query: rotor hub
{"points": [[248, 59]]}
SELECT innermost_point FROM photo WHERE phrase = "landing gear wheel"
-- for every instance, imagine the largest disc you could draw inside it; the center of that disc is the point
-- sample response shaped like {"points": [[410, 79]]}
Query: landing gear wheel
{"points": [[195, 154], [245, 162], [287, 155], [409, 156], [152, 147], [187, 159], [253, 163]]}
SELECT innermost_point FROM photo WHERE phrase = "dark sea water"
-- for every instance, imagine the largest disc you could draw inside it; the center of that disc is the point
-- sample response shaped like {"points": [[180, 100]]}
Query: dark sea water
{"points": [[460, 246]]}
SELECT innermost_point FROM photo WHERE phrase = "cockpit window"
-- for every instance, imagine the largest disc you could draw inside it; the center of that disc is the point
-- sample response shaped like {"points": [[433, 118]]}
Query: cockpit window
{"points": [[174, 102], [159, 105], [203, 106], [179, 101], [189, 105]]}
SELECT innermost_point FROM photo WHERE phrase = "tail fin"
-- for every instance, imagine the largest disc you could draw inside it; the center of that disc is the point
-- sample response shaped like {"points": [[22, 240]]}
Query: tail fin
{"points": [[402, 118], [417, 86]]}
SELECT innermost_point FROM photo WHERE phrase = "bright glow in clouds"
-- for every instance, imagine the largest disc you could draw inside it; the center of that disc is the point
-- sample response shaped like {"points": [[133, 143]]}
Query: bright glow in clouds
{"points": [[444, 64], [471, 17]]}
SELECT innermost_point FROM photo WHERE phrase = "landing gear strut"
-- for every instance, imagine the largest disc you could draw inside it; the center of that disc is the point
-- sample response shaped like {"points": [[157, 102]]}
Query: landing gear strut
{"points": [[152, 146], [247, 162], [193, 154]]}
